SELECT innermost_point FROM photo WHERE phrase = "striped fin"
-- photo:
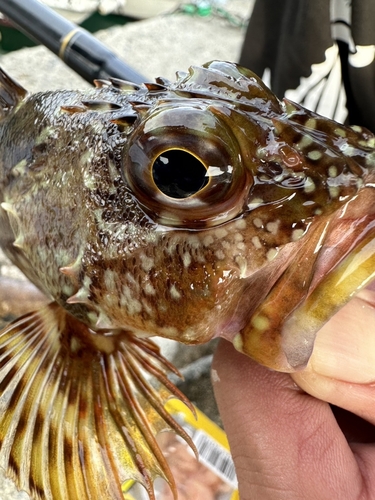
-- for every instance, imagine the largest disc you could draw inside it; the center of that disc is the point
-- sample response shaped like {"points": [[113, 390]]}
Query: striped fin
{"points": [[78, 415]]}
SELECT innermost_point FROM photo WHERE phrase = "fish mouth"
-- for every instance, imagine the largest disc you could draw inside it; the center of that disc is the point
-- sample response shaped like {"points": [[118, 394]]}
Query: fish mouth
{"points": [[333, 262]]}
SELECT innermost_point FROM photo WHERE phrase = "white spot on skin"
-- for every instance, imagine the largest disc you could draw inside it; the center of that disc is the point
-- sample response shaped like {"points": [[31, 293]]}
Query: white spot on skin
{"points": [[240, 224], [256, 242], [149, 289], [133, 307], [68, 289], [297, 234], [255, 203], [208, 240], [147, 263], [75, 344], [89, 181], [318, 211], [220, 254], [356, 128], [238, 342], [261, 323], [189, 334], [258, 222], [314, 155], [261, 152], [309, 185], [238, 237], [332, 171], [241, 245], [92, 316], [175, 294], [110, 279], [221, 232], [273, 227], [193, 241], [305, 141], [186, 259], [334, 191], [370, 160], [45, 133], [311, 123], [340, 132], [168, 331], [126, 295], [271, 254]]}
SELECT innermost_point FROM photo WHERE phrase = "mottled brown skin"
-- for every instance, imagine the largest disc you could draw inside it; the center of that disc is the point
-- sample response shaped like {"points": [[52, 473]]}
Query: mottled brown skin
{"points": [[93, 231], [263, 254]]}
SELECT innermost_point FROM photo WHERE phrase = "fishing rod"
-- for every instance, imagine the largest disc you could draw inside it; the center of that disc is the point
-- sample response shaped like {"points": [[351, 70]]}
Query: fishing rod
{"points": [[80, 50]]}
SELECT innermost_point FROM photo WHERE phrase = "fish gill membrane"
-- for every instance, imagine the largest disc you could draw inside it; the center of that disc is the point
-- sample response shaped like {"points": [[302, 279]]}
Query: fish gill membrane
{"points": [[189, 210]]}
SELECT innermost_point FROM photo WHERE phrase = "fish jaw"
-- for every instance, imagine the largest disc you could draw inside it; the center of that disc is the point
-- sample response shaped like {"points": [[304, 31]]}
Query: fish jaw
{"points": [[336, 262]]}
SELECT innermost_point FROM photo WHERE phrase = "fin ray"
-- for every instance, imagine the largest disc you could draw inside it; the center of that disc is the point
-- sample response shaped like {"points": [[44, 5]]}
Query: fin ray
{"points": [[76, 422], [11, 93]]}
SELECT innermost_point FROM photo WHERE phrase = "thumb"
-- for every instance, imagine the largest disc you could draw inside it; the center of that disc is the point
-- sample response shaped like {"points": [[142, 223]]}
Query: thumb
{"points": [[342, 367], [283, 441]]}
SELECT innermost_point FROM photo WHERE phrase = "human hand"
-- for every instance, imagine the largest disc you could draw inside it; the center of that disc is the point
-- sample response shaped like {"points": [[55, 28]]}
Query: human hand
{"points": [[290, 445]]}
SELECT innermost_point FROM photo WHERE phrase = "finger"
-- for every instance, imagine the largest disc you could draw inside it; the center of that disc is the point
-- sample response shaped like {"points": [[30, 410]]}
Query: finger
{"points": [[285, 444], [342, 367]]}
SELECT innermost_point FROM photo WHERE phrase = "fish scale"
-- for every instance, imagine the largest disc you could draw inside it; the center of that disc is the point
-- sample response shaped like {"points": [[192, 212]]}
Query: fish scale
{"points": [[192, 209]]}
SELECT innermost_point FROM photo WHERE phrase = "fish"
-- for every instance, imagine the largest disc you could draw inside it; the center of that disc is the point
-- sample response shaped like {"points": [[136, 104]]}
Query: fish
{"points": [[200, 208]]}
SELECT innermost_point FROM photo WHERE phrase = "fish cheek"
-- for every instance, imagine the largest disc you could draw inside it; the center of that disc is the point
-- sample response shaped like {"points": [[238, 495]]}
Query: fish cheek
{"points": [[184, 302]]}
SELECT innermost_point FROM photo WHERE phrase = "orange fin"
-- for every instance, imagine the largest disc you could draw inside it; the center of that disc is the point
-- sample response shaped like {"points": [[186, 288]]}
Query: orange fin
{"points": [[78, 415]]}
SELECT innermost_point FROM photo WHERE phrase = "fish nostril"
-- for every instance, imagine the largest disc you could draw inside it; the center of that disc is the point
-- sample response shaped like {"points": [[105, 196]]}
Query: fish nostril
{"points": [[179, 174]]}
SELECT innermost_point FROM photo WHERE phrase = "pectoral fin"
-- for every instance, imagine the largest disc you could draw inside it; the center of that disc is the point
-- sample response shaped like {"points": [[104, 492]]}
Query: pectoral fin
{"points": [[78, 415]]}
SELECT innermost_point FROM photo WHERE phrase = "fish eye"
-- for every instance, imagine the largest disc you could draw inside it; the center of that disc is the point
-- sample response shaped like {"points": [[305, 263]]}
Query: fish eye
{"points": [[184, 166], [179, 174]]}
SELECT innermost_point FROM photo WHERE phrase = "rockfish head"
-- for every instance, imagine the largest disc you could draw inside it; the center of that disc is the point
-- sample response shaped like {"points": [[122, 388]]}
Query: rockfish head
{"points": [[245, 217], [189, 210]]}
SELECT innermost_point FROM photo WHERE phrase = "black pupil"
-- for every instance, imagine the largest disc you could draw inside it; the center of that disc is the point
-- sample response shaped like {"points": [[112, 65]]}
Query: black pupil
{"points": [[179, 174]]}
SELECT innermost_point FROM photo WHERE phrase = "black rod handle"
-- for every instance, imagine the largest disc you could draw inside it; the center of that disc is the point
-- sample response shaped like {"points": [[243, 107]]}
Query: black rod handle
{"points": [[75, 46]]}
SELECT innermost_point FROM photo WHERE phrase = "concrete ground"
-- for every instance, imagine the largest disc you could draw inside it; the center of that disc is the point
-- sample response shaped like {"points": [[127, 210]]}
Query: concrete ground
{"points": [[157, 46]]}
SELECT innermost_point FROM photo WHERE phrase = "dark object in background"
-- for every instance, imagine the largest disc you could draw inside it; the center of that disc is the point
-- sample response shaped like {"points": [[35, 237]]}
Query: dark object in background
{"points": [[75, 46], [290, 36]]}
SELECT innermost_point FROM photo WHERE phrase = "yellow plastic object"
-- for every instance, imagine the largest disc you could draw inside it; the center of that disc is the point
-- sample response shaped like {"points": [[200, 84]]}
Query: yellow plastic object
{"points": [[211, 478]]}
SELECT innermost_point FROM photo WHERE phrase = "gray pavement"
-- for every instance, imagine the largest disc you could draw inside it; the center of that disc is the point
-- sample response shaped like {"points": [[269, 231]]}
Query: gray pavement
{"points": [[158, 46]]}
